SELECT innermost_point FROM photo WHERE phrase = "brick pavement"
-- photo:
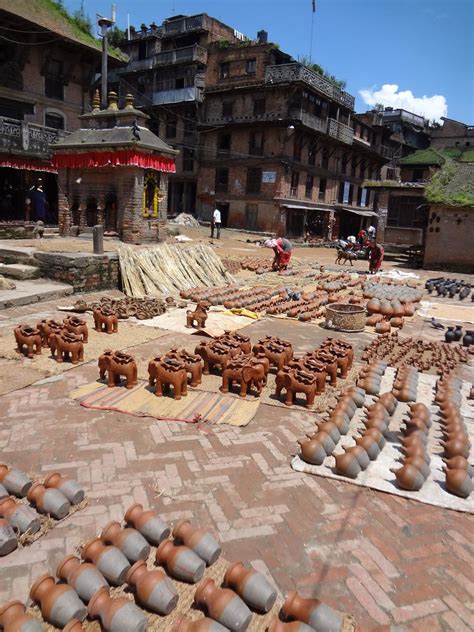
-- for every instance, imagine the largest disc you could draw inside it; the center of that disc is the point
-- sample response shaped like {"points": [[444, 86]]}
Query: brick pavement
{"points": [[383, 558]]}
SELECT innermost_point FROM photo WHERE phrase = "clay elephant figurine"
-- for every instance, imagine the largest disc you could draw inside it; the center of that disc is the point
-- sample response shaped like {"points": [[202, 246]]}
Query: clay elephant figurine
{"points": [[330, 364], [213, 354], [106, 320], [117, 364], [242, 341], [65, 344], [193, 364], [166, 372], [276, 354], [199, 315], [28, 337], [318, 369], [248, 373], [47, 327], [77, 326], [296, 381]]}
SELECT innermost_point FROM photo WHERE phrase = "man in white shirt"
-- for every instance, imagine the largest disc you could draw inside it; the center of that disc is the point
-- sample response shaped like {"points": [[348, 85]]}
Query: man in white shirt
{"points": [[216, 223]]}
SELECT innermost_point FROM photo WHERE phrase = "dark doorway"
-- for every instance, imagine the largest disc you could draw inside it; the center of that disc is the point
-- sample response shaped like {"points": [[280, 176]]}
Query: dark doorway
{"points": [[295, 223], [224, 209], [251, 216]]}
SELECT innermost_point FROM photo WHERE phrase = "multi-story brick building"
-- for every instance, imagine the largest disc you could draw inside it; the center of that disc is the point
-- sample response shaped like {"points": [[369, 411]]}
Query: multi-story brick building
{"points": [[47, 65]]}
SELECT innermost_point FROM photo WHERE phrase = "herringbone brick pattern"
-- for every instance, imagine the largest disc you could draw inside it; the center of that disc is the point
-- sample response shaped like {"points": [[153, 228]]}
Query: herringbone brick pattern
{"points": [[383, 558]]}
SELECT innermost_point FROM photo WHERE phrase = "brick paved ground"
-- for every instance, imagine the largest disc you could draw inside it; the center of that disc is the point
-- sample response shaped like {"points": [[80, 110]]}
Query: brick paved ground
{"points": [[383, 558]]}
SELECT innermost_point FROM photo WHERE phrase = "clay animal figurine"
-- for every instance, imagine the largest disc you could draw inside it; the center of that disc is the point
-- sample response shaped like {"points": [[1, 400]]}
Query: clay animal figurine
{"points": [[166, 372], [247, 373], [117, 364], [192, 362], [296, 381], [214, 354], [77, 326], [47, 327], [28, 337], [105, 319], [65, 345], [199, 316]]}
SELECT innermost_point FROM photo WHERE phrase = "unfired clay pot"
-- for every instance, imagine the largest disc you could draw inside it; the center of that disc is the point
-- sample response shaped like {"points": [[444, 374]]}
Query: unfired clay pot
{"points": [[458, 482], [292, 626], [59, 603], [180, 561], [459, 463], [389, 401], [111, 562], [313, 612], [253, 587], [408, 477], [377, 435], [73, 626], [223, 605], [117, 614], [198, 540], [154, 590], [86, 579], [312, 451], [13, 618], [49, 501], [361, 455], [23, 518], [67, 486], [148, 523], [201, 625], [3, 492], [370, 445], [130, 541], [8, 541], [347, 465], [14, 481]]}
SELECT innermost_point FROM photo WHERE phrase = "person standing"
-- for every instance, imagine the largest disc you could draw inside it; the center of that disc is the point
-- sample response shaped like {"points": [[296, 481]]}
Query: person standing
{"points": [[376, 254], [216, 223]]}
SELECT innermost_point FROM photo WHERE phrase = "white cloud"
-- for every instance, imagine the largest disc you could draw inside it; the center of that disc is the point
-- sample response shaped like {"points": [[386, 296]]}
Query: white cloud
{"points": [[432, 108]]}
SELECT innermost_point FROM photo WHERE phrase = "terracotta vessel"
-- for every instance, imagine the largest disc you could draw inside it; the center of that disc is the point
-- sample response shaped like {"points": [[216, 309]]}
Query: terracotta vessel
{"points": [[330, 428], [415, 450], [110, 561], [458, 482], [8, 541], [357, 394], [21, 517], [459, 463], [201, 625], [73, 626], [59, 603], [86, 579], [347, 465], [198, 540], [13, 618], [312, 451], [117, 614], [416, 437], [420, 411], [313, 612], [147, 523], [292, 626], [456, 447], [130, 541], [370, 445], [253, 587], [67, 486], [3, 492], [180, 561], [389, 402], [419, 463], [153, 588], [361, 455], [49, 501], [408, 477], [14, 481], [377, 435], [223, 605]]}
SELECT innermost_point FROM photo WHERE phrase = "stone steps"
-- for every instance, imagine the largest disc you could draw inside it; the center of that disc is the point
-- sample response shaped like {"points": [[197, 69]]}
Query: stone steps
{"points": [[19, 271], [17, 254], [33, 291]]}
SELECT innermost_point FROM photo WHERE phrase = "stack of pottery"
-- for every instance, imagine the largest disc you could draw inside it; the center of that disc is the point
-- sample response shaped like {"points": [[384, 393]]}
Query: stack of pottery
{"points": [[415, 461], [370, 377], [223, 605], [312, 612], [405, 384], [456, 444]]}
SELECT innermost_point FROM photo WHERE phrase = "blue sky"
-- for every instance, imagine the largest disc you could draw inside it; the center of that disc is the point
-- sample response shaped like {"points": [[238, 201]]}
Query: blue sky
{"points": [[425, 47]]}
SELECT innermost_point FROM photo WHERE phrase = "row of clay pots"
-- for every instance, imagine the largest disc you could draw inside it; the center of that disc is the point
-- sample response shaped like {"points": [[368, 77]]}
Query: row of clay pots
{"points": [[370, 377], [392, 292], [415, 461], [405, 384]]}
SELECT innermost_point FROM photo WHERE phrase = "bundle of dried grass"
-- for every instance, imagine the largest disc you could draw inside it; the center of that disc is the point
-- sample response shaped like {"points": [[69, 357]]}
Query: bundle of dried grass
{"points": [[168, 269]]}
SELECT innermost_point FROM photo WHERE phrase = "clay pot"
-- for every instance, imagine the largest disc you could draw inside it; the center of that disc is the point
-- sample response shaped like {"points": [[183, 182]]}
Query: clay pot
{"points": [[67, 486], [154, 590], [459, 463], [415, 424], [21, 517], [253, 587], [409, 309], [405, 394], [111, 562], [370, 445], [421, 412], [73, 626], [347, 465], [371, 321], [201, 625], [449, 336], [3, 492], [198, 540], [456, 447], [14, 481], [386, 308], [223, 605], [49, 501], [357, 395], [13, 618], [181, 562], [361, 455], [293, 626], [408, 477], [416, 437], [373, 306], [377, 435], [420, 464], [59, 603], [132, 544], [86, 579], [117, 615], [397, 322], [331, 429], [313, 612], [8, 541], [389, 402], [348, 405], [415, 450], [312, 451], [458, 482], [147, 523]]}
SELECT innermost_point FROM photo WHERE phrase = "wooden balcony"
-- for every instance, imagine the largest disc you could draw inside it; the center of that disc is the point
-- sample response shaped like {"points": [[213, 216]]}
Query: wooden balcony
{"points": [[342, 132], [185, 55], [193, 93], [287, 73], [309, 120], [185, 25], [29, 139]]}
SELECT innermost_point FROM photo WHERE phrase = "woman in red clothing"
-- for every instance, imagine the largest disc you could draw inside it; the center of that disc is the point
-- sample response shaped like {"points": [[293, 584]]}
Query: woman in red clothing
{"points": [[283, 251], [375, 257]]}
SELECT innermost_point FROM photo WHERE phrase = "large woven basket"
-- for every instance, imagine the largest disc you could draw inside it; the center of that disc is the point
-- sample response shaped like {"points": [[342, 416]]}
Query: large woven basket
{"points": [[345, 317]]}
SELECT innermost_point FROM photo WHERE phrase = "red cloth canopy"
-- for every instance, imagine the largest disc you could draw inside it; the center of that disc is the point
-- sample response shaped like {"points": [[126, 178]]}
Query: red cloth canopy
{"points": [[29, 164], [117, 158]]}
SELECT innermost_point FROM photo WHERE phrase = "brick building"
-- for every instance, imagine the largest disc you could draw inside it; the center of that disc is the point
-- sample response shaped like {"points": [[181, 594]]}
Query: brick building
{"points": [[47, 65]]}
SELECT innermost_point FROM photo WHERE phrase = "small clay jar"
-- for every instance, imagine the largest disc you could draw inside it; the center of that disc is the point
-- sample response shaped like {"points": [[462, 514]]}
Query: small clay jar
{"points": [[409, 478], [347, 465], [415, 450], [420, 411], [110, 561], [153, 588], [223, 605], [147, 523], [117, 614], [458, 482], [198, 540], [389, 402], [21, 517], [15, 482], [8, 541], [292, 626], [370, 445], [86, 579], [459, 463], [326, 441], [180, 561], [361, 455], [200, 625], [313, 612], [49, 501], [130, 541], [312, 451], [253, 587], [13, 618], [415, 424], [330, 428], [357, 395], [420, 464], [456, 447], [415, 437], [67, 486], [377, 435], [59, 603]]}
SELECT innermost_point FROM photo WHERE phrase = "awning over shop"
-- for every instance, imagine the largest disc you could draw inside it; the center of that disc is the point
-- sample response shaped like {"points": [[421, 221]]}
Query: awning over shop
{"points": [[114, 158], [29, 164], [306, 208], [357, 211]]}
